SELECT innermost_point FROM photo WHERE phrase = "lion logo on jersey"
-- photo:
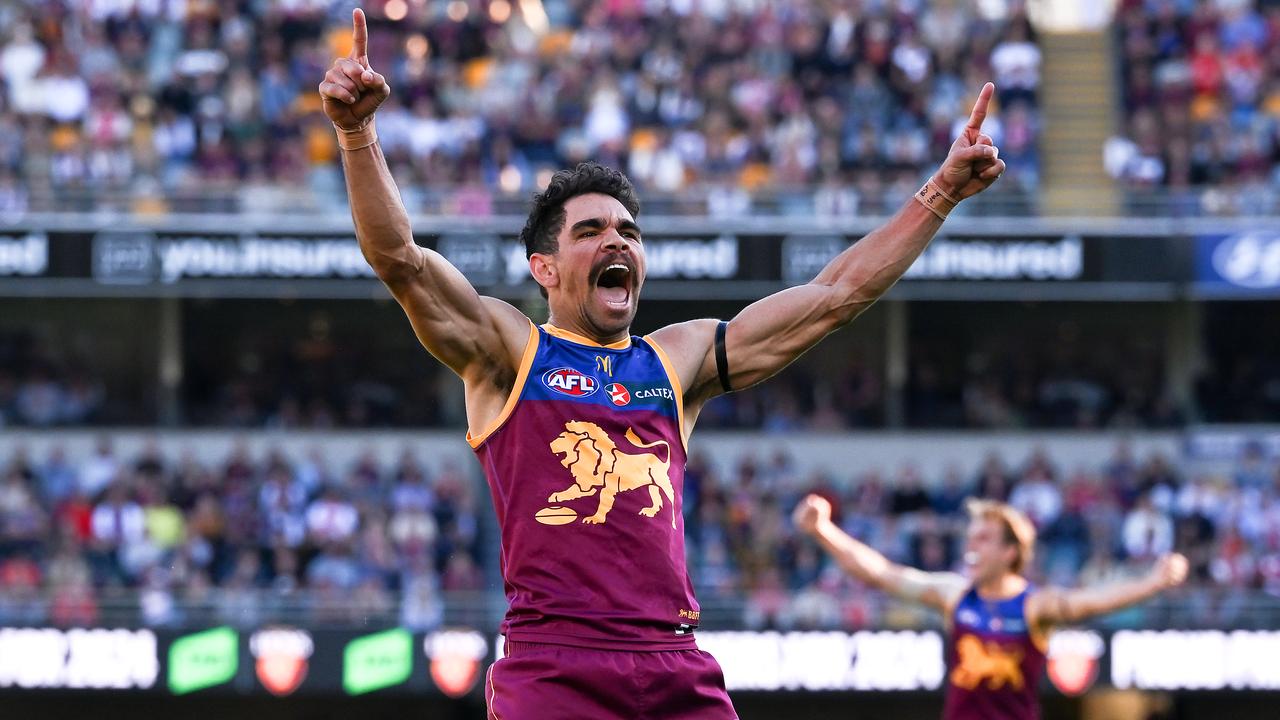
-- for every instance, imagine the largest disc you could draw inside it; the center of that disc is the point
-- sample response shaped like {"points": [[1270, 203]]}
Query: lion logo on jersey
{"points": [[596, 463], [986, 661]]}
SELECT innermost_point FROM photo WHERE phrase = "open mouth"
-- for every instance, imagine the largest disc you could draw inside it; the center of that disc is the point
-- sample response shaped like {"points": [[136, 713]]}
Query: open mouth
{"points": [[614, 285]]}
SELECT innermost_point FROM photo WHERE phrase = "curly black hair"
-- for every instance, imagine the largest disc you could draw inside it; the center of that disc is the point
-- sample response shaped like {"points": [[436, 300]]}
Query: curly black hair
{"points": [[546, 217]]}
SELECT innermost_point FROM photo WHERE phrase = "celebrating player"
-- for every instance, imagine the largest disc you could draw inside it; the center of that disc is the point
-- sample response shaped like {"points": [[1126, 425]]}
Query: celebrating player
{"points": [[997, 621], [581, 428]]}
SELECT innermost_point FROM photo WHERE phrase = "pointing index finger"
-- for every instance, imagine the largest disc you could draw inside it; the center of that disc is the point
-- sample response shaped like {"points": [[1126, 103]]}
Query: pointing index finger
{"points": [[980, 107], [359, 37]]}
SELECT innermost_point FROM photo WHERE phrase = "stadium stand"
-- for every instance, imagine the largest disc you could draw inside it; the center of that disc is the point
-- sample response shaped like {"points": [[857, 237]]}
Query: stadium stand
{"points": [[176, 107], [164, 539], [1200, 102]]}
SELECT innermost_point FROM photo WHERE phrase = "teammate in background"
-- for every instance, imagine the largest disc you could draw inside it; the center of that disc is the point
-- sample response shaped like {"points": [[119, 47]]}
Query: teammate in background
{"points": [[998, 622], [581, 428]]}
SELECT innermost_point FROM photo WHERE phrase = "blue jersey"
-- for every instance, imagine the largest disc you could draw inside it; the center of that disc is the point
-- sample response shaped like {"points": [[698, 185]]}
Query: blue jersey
{"points": [[586, 468]]}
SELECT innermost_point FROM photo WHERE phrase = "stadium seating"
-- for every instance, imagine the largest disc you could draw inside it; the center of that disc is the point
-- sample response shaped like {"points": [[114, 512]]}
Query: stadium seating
{"points": [[164, 539], [214, 107]]}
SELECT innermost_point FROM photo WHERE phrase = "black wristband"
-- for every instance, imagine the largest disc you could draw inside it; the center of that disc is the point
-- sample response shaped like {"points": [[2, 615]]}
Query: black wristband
{"points": [[722, 358]]}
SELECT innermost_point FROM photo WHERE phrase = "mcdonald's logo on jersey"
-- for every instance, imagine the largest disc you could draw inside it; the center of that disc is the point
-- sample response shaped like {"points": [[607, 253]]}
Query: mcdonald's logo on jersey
{"points": [[604, 363], [568, 381]]}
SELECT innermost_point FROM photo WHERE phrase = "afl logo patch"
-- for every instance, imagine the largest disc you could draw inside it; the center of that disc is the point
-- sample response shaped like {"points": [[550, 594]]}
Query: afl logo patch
{"points": [[618, 394], [568, 381]]}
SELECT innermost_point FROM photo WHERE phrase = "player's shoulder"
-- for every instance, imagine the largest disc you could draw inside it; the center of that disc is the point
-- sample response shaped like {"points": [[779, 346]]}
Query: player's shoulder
{"points": [[952, 589], [1041, 602], [687, 343], [684, 337], [688, 347]]}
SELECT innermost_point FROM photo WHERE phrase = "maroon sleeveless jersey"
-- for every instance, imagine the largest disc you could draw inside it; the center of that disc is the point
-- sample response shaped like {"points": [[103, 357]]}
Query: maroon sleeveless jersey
{"points": [[994, 660], [586, 468]]}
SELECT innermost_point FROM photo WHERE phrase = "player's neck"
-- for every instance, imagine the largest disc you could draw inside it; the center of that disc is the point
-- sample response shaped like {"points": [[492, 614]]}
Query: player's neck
{"points": [[1003, 587], [585, 330]]}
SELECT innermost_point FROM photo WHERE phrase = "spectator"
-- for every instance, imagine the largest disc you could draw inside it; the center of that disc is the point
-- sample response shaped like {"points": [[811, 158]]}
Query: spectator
{"points": [[1147, 533], [118, 524], [1038, 496], [948, 499], [19, 591], [908, 495], [1016, 64], [57, 478], [100, 471], [331, 518], [421, 609]]}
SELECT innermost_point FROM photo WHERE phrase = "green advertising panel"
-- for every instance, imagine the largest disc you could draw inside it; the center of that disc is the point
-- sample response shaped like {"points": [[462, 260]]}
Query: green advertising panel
{"points": [[377, 661], [203, 660]]}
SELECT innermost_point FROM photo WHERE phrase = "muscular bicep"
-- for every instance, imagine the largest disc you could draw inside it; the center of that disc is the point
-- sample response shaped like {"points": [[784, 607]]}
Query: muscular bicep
{"points": [[772, 332], [759, 341], [464, 330]]}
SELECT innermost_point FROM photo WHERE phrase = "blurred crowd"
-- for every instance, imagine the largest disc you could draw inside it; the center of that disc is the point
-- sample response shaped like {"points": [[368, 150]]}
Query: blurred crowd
{"points": [[357, 365], [161, 101], [993, 381], [353, 386], [236, 541], [41, 388], [308, 385], [1202, 102], [1063, 378], [1098, 521], [353, 365], [1240, 381], [163, 539], [321, 367]]}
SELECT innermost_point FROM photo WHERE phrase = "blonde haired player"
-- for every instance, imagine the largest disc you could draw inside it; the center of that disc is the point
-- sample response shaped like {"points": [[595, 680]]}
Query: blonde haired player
{"points": [[998, 622]]}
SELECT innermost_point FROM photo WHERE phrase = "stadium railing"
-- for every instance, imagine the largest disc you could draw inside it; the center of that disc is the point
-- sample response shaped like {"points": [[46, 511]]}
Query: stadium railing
{"points": [[1198, 607], [1257, 201]]}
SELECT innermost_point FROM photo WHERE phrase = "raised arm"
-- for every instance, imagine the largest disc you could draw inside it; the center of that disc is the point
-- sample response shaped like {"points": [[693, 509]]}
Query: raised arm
{"points": [[769, 334], [477, 337], [1053, 606], [939, 591]]}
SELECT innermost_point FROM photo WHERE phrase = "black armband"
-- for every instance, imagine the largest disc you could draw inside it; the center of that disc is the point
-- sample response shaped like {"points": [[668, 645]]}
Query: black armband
{"points": [[722, 358]]}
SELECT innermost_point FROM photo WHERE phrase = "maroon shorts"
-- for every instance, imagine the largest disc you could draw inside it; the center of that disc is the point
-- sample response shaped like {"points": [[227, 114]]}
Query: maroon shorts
{"points": [[536, 681]]}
